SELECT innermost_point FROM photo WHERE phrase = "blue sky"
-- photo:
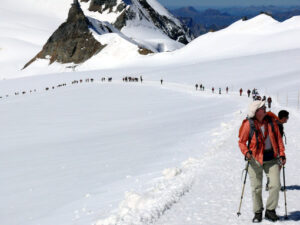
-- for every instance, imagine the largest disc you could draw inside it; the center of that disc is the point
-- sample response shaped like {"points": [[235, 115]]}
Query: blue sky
{"points": [[224, 3]]}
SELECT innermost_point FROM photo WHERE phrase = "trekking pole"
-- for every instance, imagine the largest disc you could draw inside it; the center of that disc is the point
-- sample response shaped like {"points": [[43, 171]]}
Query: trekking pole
{"points": [[239, 212], [283, 171]]}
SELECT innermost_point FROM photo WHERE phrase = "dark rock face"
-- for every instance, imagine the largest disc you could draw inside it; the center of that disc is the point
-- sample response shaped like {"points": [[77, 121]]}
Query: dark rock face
{"points": [[165, 24], [72, 42], [125, 16], [102, 5]]}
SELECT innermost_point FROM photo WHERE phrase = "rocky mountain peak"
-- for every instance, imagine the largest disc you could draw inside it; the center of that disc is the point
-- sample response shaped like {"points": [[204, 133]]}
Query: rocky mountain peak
{"points": [[75, 13], [72, 42]]}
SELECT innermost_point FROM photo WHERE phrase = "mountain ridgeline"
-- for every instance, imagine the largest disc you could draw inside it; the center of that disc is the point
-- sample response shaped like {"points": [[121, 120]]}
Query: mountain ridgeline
{"points": [[201, 22]]}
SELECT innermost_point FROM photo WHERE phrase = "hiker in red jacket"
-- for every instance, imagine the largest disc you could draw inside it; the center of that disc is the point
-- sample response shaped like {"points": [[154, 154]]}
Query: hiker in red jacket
{"points": [[262, 152], [248, 92], [241, 92], [269, 102]]}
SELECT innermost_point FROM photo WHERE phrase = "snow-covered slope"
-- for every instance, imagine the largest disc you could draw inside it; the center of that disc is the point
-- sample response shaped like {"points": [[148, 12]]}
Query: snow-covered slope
{"points": [[130, 153], [258, 35]]}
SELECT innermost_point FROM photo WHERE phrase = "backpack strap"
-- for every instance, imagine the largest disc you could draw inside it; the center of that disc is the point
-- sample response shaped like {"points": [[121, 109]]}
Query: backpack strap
{"points": [[281, 130], [270, 121], [252, 131]]}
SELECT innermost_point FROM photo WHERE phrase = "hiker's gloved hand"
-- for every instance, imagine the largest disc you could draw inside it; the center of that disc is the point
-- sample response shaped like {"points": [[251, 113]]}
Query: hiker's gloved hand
{"points": [[282, 160], [249, 155]]}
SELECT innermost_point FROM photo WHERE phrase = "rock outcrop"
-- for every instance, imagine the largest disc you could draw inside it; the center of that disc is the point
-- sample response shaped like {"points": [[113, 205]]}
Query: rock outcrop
{"points": [[72, 42]]}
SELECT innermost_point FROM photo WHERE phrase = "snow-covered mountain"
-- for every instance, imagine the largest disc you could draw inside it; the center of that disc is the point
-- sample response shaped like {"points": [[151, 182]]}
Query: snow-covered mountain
{"points": [[135, 16], [133, 22], [75, 41], [29, 25]]}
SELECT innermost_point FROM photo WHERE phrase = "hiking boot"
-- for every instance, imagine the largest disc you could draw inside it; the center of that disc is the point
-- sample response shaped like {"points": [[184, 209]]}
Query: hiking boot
{"points": [[271, 215], [257, 217]]}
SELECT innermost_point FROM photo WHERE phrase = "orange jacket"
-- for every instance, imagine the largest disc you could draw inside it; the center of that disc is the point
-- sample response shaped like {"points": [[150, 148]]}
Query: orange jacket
{"points": [[258, 153], [272, 115]]}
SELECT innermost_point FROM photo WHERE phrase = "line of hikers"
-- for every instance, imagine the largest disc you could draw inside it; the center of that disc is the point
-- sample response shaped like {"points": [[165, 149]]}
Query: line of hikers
{"points": [[255, 94], [261, 142]]}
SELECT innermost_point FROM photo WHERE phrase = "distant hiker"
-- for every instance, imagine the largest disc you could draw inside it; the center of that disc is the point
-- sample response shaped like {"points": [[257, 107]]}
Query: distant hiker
{"points": [[203, 88], [264, 98], [248, 92], [141, 78], [269, 102], [161, 81], [196, 87], [283, 117], [264, 146], [241, 91], [227, 90], [254, 94], [200, 87], [219, 91], [258, 98], [213, 90]]}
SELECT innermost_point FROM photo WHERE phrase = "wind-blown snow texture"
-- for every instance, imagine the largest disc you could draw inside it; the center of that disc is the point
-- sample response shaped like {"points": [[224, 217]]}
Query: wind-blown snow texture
{"points": [[140, 153]]}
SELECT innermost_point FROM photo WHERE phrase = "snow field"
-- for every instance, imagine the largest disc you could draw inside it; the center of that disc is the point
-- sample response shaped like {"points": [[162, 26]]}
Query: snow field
{"points": [[71, 142]]}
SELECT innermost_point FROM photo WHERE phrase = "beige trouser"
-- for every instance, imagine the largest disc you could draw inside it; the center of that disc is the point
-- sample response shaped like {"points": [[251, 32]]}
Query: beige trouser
{"points": [[272, 171]]}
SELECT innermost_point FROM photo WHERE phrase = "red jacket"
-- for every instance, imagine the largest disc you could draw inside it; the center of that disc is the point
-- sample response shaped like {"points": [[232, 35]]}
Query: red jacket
{"points": [[258, 153]]}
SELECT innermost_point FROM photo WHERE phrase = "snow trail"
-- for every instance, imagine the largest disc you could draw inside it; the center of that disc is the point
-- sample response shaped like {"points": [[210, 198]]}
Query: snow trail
{"points": [[216, 192], [199, 183]]}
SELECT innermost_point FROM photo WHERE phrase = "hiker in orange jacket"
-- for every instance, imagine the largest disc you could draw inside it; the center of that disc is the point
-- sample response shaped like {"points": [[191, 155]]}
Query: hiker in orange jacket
{"points": [[265, 147]]}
